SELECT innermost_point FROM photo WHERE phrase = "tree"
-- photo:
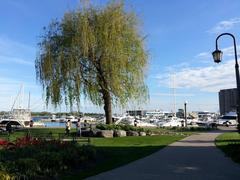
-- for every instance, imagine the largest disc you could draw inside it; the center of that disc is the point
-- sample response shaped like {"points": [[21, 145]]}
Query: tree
{"points": [[95, 52]]}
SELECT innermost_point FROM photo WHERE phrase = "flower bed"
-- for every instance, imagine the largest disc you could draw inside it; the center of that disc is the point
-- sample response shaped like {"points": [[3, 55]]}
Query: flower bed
{"points": [[34, 159], [3, 142]]}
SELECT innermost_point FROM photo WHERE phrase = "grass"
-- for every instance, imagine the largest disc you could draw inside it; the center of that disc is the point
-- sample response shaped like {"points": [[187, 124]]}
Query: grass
{"points": [[115, 152], [20, 133], [229, 143]]}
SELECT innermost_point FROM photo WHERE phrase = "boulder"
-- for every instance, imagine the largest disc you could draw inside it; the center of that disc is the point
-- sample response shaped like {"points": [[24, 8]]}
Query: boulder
{"points": [[94, 132], [132, 133], [120, 133], [142, 134], [105, 133], [149, 133]]}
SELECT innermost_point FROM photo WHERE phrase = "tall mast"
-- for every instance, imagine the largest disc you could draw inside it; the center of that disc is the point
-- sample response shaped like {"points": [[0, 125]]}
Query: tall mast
{"points": [[174, 94], [29, 101], [17, 99]]}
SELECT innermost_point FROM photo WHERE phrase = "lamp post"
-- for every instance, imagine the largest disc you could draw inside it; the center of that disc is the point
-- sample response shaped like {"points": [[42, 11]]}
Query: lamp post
{"points": [[185, 113], [217, 56]]}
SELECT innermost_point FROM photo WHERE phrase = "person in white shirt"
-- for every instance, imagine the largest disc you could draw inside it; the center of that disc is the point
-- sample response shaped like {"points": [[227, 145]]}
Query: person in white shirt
{"points": [[68, 127]]}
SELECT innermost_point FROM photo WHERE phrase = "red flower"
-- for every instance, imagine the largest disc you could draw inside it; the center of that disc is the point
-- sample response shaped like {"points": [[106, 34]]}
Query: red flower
{"points": [[3, 142]]}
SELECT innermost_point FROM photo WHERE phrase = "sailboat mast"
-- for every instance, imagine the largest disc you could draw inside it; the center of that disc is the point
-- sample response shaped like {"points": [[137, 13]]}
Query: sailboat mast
{"points": [[16, 101], [29, 100], [174, 94]]}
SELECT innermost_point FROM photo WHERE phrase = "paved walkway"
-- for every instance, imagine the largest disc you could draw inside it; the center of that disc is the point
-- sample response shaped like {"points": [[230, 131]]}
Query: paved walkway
{"points": [[192, 158]]}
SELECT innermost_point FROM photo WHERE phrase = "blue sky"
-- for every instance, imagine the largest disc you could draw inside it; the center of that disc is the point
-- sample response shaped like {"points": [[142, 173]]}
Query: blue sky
{"points": [[180, 38]]}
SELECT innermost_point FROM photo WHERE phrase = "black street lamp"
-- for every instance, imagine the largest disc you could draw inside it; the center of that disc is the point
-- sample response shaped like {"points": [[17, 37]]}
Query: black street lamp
{"points": [[217, 56], [185, 113]]}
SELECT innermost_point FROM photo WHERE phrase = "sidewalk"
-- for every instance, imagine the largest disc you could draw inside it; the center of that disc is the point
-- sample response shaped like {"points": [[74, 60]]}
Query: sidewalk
{"points": [[194, 157]]}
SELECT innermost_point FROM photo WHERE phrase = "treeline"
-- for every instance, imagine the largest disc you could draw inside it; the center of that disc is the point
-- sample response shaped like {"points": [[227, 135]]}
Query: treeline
{"points": [[59, 114]]}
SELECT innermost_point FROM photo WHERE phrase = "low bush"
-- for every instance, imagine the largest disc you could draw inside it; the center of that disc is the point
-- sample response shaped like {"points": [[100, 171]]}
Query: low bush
{"points": [[43, 158], [119, 127], [192, 129], [238, 128], [4, 175]]}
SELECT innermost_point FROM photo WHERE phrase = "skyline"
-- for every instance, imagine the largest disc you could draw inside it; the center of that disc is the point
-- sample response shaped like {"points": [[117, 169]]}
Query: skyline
{"points": [[178, 43]]}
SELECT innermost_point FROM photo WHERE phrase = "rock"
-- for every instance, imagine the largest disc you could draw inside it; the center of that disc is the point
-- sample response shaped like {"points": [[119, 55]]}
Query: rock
{"points": [[149, 133], [120, 133], [132, 133], [94, 132], [142, 134], [105, 133]]}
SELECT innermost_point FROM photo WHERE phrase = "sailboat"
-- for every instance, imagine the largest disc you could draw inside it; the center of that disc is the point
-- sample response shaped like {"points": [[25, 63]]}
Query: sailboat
{"points": [[18, 117], [173, 120]]}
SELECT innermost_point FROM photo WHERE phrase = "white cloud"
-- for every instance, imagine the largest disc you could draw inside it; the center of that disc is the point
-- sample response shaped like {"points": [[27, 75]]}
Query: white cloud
{"points": [[225, 25], [7, 60], [177, 66], [203, 55], [228, 52], [9, 47], [15, 52], [206, 79]]}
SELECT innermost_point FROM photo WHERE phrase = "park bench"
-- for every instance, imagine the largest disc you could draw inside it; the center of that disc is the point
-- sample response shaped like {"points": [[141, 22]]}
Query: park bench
{"points": [[42, 136], [4, 135], [73, 137]]}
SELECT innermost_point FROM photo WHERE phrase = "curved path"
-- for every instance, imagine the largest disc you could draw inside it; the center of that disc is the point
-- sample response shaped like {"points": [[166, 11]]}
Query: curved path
{"points": [[191, 158]]}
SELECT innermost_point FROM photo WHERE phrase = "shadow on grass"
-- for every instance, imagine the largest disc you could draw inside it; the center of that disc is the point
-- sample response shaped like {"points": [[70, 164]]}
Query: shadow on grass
{"points": [[112, 157], [231, 150], [230, 141], [177, 162]]}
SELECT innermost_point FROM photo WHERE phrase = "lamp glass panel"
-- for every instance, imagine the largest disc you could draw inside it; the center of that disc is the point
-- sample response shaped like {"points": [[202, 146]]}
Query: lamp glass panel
{"points": [[217, 56]]}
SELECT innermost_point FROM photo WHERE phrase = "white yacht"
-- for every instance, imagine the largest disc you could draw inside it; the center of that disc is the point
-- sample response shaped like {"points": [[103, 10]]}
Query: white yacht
{"points": [[171, 122], [229, 119], [17, 118], [131, 120]]}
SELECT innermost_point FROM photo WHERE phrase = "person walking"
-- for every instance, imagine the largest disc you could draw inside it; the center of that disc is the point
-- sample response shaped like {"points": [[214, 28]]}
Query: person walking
{"points": [[78, 126], [9, 128], [135, 123], [68, 127]]}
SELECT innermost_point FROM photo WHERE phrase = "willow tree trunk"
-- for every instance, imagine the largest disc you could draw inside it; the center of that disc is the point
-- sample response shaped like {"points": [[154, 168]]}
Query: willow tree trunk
{"points": [[107, 107]]}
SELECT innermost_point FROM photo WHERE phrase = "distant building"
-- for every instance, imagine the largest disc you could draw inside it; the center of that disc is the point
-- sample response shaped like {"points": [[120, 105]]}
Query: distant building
{"points": [[227, 100], [155, 113], [137, 112], [180, 113]]}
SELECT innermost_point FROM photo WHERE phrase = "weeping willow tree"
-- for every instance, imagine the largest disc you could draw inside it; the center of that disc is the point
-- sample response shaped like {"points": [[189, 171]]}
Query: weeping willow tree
{"points": [[95, 52]]}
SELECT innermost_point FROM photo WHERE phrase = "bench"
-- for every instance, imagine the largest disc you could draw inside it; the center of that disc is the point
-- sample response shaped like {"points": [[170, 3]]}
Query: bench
{"points": [[73, 137], [4, 135], [42, 136]]}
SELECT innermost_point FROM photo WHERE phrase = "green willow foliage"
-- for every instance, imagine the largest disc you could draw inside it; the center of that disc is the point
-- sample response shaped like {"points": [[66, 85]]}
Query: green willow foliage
{"points": [[93, 51]]}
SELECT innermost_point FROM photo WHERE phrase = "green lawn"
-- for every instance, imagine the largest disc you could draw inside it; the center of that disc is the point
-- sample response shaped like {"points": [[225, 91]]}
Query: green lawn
{"points": [[229, 143], [20, 133], [114, 152]]}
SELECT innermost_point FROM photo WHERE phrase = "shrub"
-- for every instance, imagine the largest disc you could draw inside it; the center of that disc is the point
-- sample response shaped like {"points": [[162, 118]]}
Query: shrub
{"points": [[44, 159], [6, 176], [119, 127], [238, 128], [26, 167]]}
